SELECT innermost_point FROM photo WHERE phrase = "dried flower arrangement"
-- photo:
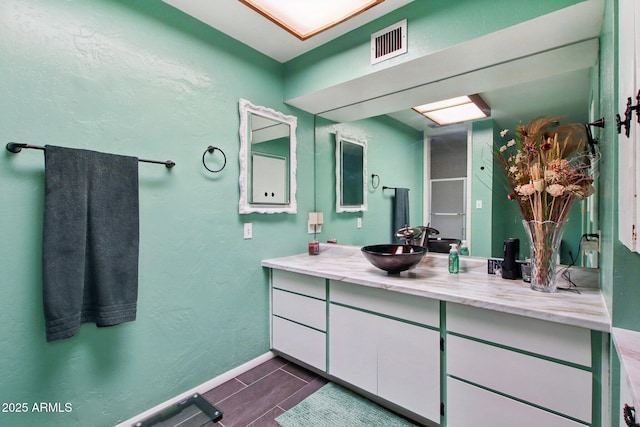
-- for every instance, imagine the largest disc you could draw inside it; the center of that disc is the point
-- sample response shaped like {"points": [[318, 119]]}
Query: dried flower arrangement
{"points": [[546, 168]]}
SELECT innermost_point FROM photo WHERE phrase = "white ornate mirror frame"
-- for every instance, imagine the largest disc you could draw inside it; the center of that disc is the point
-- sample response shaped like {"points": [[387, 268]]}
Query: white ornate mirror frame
{"points": [[245, 205], [340, 207]]}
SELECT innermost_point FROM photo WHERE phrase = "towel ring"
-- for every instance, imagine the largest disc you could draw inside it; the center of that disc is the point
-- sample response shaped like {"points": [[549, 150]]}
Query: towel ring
{"points": [[211, 149], [373, 177]]}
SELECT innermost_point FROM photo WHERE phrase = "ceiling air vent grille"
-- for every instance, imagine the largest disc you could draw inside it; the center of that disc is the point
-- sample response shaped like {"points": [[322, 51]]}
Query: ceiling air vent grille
{"points": [[389, 42]]}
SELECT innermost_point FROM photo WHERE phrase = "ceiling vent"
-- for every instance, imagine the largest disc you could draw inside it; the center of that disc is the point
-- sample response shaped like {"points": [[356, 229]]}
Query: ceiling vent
{"points": [[389, 42]]}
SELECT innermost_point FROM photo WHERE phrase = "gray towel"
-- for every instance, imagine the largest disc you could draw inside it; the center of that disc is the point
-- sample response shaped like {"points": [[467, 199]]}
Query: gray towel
{"points": [[90, 240], [400, 214]]}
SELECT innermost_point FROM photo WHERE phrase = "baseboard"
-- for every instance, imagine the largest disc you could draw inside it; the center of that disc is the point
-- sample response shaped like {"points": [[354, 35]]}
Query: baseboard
{"points": [[202, 388]]}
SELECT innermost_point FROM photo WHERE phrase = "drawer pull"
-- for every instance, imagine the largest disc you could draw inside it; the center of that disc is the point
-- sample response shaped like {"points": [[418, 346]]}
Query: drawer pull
{"points": [[630, 416]]}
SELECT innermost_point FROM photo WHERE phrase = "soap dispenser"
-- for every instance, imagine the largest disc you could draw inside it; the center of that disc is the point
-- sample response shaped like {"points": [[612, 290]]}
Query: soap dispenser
{"points": [[454, 261], [464, 249]]}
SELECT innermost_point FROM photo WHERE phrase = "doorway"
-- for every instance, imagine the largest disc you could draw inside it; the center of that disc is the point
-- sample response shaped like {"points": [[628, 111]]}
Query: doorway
{"points": [[446, 173]]}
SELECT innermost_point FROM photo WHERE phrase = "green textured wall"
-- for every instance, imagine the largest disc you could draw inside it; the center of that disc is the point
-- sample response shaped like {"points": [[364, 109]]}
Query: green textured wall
{"points": [[608, 194], [620, 267], [136, 78], [394, 153], [432, 25], [481, 188]]}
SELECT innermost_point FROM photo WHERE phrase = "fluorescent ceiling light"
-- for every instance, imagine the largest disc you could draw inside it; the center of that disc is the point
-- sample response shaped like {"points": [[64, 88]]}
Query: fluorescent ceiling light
{"points": [[455, 110], [306, 18]]}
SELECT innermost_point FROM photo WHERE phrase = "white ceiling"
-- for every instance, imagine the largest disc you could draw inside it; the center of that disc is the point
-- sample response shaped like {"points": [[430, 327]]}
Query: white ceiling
{"points": [[240, 22], [540, 67]]}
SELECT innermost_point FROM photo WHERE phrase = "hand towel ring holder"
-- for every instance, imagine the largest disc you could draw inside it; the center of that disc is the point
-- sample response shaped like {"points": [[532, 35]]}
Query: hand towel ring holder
{"points": [[211, 149]]}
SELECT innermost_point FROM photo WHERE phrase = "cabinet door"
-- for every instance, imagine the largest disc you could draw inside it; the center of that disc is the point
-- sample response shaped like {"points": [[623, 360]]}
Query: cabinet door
{"points": [[625, 396], [353, 347], [271, 187], [468, 405], [398, 361], [628, 157], [409, 367]]}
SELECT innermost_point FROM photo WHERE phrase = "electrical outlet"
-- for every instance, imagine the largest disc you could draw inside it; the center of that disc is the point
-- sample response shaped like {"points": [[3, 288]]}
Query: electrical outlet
{"points": [[590, 243], [359, 223], [248, 230], [314, 229]]}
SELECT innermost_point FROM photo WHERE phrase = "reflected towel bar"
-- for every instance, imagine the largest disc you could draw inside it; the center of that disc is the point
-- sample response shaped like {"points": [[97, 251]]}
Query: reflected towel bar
{"points": [[384, 187], [15, 147]]}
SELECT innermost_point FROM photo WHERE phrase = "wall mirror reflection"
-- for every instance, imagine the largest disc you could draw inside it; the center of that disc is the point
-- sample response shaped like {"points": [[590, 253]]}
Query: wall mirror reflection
{"points": [[267, 160], [401, 142], [351, 174]]}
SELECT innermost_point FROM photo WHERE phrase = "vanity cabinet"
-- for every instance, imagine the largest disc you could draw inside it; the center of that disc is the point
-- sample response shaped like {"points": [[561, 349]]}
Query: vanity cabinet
{"points": [[388, 344], [447, 362], [299, 319], [505, 370]]}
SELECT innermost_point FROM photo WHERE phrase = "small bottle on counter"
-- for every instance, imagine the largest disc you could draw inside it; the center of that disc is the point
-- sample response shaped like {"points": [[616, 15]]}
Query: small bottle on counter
{"points": [[314, 248], [454, 261], [464, 249]]}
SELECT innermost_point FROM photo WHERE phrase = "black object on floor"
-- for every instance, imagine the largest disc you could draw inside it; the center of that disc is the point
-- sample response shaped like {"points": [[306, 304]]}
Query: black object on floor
{"points": [[190, 412]]}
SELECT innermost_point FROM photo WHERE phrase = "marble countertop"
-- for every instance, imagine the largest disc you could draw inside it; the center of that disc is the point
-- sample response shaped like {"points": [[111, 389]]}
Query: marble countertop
{"points": [[473, 286], [627, 344]]}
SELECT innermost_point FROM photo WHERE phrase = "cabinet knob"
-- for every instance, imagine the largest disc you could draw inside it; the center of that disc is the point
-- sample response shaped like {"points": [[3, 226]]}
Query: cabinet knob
{"points": [[629, 414]]}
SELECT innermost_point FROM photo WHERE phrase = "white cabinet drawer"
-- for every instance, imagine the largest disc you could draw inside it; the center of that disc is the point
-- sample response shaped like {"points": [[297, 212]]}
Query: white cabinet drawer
{"points": [[472, 406], [406, 307], [308, 311], [551, 385], [299, 283], [300, 342], [564, 342]]}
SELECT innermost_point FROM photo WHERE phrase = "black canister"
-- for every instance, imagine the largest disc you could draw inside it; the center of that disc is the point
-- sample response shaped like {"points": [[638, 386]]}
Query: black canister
{"points": [[510, 266]]}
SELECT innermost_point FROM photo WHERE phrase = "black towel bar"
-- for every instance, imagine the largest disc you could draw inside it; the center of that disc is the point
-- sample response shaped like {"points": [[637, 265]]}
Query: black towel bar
{"points": [[16, 147], [384, 187]]}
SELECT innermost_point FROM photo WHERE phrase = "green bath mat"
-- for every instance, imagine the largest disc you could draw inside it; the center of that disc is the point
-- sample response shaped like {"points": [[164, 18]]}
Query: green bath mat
{"points": [[333, 406]]}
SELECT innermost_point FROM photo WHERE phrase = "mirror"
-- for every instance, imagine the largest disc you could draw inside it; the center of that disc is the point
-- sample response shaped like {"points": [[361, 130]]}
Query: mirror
{"points": [[393, 156], [351, 174], [377, 107], [267, 160]]}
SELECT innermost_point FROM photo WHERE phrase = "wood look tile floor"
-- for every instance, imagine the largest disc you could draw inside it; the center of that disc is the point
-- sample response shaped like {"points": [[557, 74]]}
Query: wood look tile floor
{"points": [[256, 397]]}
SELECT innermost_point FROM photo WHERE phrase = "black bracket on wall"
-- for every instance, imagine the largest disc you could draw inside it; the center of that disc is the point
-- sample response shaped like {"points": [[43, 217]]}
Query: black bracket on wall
{"points": [[590, 139], [629, 414], [628, 114]]}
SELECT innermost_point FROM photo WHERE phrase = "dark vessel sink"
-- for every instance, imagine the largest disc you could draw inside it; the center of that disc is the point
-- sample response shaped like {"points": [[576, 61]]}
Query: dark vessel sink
{"points": [[394, 258], [441, 245]]}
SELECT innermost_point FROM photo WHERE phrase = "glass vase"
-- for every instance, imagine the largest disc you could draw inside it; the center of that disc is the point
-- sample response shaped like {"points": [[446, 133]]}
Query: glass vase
{"points": [[544, 241]]}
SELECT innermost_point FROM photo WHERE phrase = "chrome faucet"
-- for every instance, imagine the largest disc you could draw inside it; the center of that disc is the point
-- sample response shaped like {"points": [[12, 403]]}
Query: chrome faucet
{"points": [[416, 235]]}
